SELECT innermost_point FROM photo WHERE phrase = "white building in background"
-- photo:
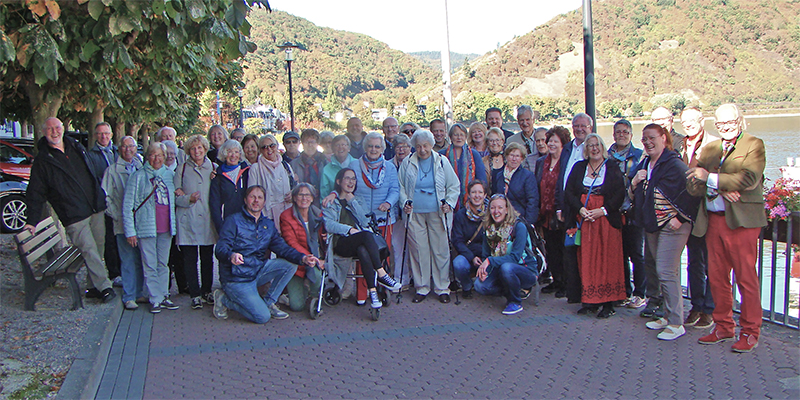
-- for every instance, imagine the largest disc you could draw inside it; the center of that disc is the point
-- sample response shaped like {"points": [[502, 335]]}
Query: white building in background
{"points": [[269, 114], [379, 114], [14, 129]]}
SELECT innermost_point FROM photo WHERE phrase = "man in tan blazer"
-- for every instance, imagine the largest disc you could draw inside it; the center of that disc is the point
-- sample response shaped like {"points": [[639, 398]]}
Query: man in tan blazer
{"points": [[730, 176]]}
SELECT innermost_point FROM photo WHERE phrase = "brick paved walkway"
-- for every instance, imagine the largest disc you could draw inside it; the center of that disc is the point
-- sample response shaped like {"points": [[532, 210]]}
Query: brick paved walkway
{"points": [[437, 350]]}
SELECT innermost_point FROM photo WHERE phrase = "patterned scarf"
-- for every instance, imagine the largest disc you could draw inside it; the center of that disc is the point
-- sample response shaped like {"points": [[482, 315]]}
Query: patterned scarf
{"points": [[497, 237], [478, 216], [366, 171], [467, 162]]}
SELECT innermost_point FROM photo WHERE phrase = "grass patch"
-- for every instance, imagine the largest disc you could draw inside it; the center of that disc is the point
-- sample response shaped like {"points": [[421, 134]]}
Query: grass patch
{"points": [[39, 387]]}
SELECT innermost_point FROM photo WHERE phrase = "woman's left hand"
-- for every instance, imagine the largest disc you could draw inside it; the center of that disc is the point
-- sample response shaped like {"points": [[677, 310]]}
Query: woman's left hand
{"points": [[384, 207], [674, 224], [482, 274]]}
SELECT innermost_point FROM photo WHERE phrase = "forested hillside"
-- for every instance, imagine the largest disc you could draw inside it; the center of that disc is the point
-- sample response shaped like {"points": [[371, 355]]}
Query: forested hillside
{"points": [[434, 59], [721, 50], [336, 66]]}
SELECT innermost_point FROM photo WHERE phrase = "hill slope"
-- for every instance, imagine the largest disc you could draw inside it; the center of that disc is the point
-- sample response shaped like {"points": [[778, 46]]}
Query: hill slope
{"points": [[434, 59], [344, 64], [721, 50]]}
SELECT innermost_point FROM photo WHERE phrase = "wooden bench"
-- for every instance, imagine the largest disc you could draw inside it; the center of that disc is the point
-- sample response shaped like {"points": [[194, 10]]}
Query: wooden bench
{"points": [[60, 264]]}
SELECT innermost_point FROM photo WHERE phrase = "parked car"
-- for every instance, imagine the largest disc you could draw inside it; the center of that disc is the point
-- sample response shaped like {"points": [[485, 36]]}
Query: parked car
{"points": [[13, 210], [15, 159]]}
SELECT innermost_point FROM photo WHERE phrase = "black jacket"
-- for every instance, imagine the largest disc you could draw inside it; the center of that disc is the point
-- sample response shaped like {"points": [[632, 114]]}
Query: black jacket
{"points": [[99, 163], [669, 177], [612, 190], [463, 229], [53, 181]]}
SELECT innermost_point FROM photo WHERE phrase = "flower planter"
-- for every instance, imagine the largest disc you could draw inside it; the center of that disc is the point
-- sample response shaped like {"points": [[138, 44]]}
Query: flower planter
{"points": [[783, 227]]}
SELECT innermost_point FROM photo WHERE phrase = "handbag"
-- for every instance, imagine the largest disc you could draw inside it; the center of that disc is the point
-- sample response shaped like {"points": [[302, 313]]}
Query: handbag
{"points": [[573, 236]]}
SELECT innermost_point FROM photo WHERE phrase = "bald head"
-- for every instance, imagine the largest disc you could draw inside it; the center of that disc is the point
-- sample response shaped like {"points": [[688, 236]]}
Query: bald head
{"points": [[390, 128], [692, 121], [54, 132], [662, 116], [729, 121]]}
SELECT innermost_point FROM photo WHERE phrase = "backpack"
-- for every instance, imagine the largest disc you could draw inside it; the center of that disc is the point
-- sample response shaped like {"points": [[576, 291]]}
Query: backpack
{"points": [[534, 246]]}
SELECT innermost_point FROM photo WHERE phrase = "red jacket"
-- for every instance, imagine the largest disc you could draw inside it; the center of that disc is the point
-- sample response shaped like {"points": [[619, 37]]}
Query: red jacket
{"points": [[294, 233]]}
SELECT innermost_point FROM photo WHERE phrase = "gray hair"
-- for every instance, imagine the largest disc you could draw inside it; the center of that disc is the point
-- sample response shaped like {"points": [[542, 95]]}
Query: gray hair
{"points": [[583, 115], [401, 139], [230, 144], [265, 137], [162, 129], [604, 151], [458, 126], [422, 135], [340, 138], [375, 136], [222, 128], [168, 143], [302, 185], [154, 147], [624, 122], [326, 135], [122, 140], [524, 109]]}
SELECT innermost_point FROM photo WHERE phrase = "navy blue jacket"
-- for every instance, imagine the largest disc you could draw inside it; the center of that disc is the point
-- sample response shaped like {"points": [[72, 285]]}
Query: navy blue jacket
{"points": [[612, 190], [523, 192], [669, 177], [463, 229], [254, 240], [225, 197]]}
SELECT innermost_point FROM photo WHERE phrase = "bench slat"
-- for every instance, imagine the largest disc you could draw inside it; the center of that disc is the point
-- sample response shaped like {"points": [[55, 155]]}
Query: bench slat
{"points": [[36, 241], [23, 235], [41, 250], [61, 262]]}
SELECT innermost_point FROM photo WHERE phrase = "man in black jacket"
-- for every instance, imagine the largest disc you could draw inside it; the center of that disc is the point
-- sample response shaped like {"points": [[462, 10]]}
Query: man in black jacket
{"points": [[63, 175], [103, 155]]}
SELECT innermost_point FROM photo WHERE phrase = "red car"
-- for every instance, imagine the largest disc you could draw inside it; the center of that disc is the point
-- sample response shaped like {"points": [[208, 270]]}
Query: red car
{"points": [[14, 160]]}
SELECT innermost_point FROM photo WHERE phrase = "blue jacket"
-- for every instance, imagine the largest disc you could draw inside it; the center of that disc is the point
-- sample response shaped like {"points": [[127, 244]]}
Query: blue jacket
{"points": [[523, 192], [517, 252], [142, 223], [371, 199], [254, 240], [225, 197], [463, 229]]}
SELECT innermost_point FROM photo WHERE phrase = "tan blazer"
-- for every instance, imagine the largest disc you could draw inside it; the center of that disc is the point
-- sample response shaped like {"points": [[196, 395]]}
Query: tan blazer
{"points": [[742, 171]]}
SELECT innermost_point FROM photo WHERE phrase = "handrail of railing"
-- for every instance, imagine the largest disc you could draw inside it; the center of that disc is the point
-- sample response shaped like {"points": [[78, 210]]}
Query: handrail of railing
{"points": [[782, 315]]}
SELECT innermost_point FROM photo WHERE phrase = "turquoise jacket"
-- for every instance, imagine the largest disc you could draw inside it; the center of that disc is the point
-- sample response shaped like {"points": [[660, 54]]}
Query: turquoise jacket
{"points": [[139, 187], [329, 174]]}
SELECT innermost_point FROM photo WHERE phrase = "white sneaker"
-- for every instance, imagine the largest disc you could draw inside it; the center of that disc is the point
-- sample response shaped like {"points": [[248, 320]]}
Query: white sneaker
{"points": [[283, 299], [131, 305], [671, 333], [658, 324]]}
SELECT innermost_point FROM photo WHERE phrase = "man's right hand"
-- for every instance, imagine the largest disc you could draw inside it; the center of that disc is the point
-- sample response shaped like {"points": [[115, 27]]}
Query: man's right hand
{"points": [[237, 259], [30, 228]]}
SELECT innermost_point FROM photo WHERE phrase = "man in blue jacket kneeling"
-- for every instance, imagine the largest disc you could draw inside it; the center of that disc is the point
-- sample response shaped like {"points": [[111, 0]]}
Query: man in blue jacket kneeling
{"points": [[245, 242]]}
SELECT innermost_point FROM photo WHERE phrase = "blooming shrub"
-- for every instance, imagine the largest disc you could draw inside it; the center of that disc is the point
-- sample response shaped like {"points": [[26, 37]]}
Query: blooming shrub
{"points": [[782, 198]]}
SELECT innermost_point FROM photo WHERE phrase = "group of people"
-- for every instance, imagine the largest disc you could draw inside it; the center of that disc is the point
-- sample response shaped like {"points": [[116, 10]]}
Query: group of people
{"points": [[425, 210]]}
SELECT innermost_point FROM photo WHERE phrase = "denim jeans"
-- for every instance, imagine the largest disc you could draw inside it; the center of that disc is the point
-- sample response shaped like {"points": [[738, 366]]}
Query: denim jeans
{"points": [[130, 270], [633, 255], [699, 287], [463, 271], [243, 297], [507, 280]]}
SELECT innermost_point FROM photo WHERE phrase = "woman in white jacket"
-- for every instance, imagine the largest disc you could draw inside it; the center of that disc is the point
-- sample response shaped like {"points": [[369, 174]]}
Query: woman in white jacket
{"points": [[429, 190]]}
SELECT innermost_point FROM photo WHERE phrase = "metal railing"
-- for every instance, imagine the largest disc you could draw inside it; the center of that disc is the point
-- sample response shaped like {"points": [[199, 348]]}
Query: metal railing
{"points": [[777, 240]]}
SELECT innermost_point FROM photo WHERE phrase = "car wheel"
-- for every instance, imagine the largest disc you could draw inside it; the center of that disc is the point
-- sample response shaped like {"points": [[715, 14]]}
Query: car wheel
{"points": [[14, 214]]}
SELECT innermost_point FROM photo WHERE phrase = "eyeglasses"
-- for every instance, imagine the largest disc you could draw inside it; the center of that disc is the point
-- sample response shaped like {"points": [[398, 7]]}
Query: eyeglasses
{"points": [[495, 140], [408, 131], [374, 146], [581, 126], [727, 125], [307, 195], [269, 146], [349, 178], [593, 146], [292, 141], [649, 138]]}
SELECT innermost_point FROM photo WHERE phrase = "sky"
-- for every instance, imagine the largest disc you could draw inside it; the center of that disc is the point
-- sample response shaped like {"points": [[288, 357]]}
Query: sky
{"points": [[418, 25]]}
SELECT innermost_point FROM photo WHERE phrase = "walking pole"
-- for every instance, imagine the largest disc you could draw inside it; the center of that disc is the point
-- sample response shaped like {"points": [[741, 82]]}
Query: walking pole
{"points": [[403, 257], [452, 269]]}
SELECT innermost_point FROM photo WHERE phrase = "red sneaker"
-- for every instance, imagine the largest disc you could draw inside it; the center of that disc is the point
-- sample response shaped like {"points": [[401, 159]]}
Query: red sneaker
{"points": [[714, 337], [745, 344]]}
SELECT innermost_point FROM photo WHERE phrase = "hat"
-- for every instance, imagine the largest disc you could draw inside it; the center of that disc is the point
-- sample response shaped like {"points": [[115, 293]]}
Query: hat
{"points": [[291, 135]]}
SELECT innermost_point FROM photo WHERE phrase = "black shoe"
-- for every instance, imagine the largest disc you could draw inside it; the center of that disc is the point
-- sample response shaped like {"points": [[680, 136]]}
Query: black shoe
{"points": [[574, 301], [652, 310], [108, 295], [525, 293], [546, 279], [418, 298], [169, 305], [93, 294], [467, 294], [607, 311], [444, 298], [551, 288], [561, 293], [587, 310]]}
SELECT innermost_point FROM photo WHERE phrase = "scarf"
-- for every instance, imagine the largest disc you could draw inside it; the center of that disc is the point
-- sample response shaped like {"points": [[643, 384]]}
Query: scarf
{"points": [[311, 165], [366, 171], [467, 171], [479, 215], [497, 237], [162, 192], [275, 181], [507, 174]]}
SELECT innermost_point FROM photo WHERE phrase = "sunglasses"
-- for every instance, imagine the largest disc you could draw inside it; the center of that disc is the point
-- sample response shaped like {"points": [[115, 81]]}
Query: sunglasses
{"points": [[408, 131], [269, 146]]}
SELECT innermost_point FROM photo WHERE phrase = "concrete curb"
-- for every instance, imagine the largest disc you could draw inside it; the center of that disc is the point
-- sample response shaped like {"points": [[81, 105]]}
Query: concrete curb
{"points": [[85, 373]]}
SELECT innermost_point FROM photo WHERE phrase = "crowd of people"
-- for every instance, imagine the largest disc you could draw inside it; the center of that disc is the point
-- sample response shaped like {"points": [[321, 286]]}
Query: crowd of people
{"points": [[465, 209]]}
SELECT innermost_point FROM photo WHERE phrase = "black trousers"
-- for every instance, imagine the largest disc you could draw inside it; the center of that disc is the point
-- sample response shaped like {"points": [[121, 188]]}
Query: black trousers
{"points": [[362, 245], [176, 267], [206, 255], [572, 274], [110, 253], [554, 244]]}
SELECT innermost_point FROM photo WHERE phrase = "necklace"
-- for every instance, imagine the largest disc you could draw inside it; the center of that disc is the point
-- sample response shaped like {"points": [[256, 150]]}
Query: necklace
{"points": [[425, 173], [595, 171]]}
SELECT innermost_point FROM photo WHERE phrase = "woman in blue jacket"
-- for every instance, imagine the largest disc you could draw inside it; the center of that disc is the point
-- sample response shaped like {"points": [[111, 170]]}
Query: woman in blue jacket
{"points": [[509, 267], [518, 184]]}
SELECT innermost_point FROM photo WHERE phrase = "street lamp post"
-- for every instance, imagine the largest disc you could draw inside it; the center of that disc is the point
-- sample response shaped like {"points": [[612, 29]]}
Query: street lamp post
{"points": [[288, 47], [240, 92]]}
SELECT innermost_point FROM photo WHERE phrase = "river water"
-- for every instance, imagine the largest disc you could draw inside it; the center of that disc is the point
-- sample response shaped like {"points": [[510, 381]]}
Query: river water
{"points": [[781, 135]]}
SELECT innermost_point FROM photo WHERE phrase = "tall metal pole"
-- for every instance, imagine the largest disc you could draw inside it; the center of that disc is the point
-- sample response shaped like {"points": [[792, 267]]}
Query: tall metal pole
{"points": [[588, 61], [291, 100], [446, 90]]}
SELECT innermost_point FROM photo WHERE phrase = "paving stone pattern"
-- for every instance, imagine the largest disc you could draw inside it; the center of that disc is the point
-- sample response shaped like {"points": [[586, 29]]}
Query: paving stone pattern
{"points": [[429, 350]]}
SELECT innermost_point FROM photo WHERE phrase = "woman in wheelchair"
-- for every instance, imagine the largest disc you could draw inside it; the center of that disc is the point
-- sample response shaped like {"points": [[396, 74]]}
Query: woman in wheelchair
{"points": [[346, 220]]}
